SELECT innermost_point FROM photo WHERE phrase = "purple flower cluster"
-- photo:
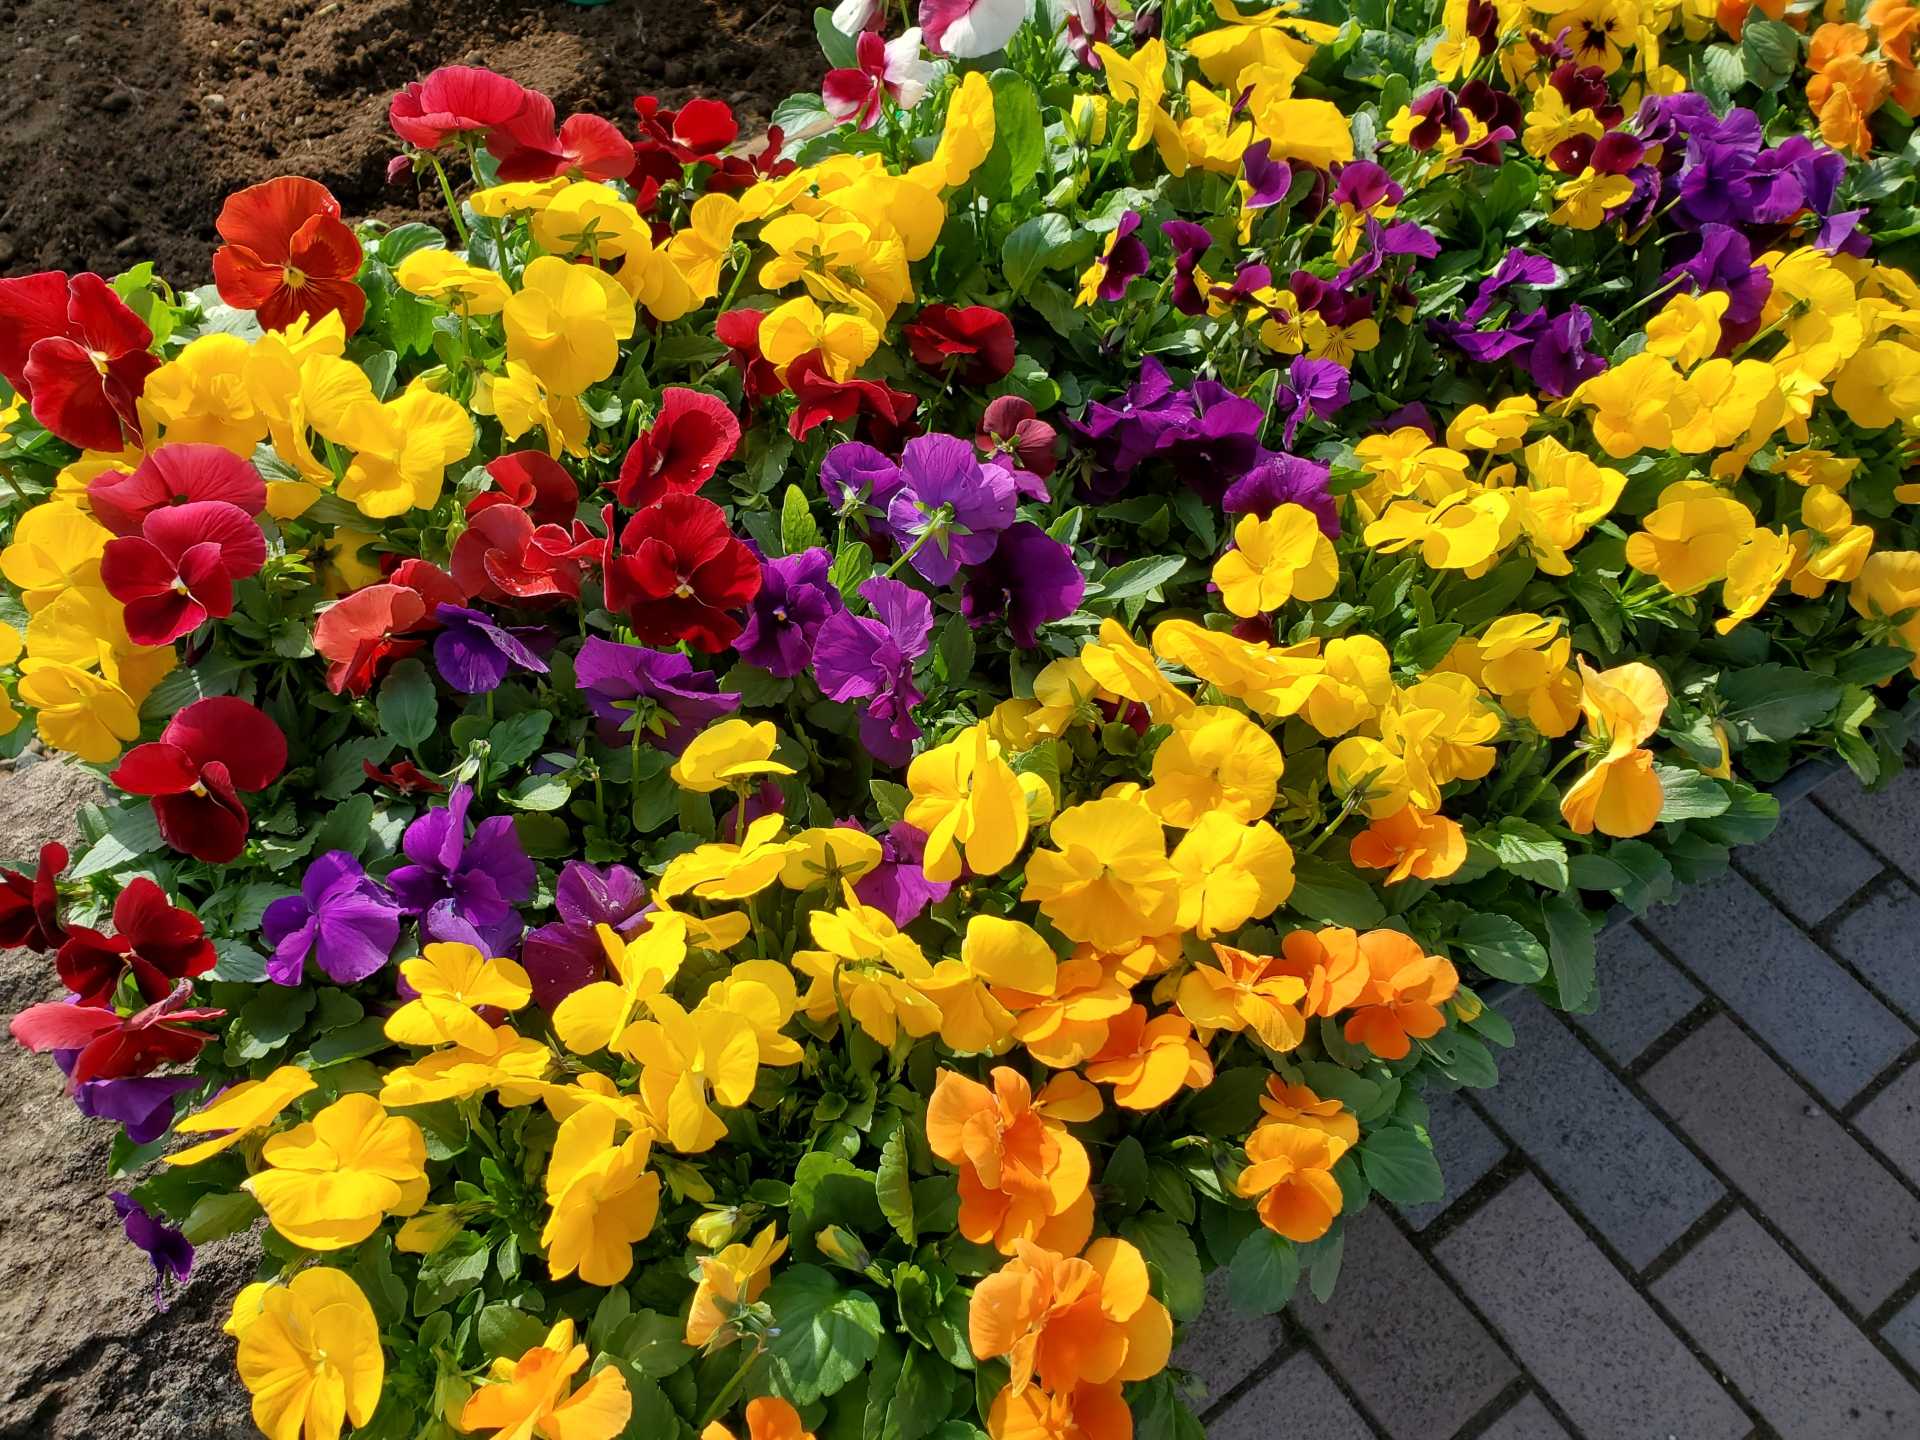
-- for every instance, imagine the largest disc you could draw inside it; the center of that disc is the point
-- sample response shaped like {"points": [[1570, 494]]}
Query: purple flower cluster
{"points": [[870, 659], [459, 883]]}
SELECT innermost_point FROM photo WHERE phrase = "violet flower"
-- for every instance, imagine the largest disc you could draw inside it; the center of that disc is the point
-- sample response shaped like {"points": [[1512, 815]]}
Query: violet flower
{"points": [[1314, 387], [950, 509], [1267, 180], [655, 694], [1516, 268], [1724, 262], [477, 878], [142, 1105], [782, 620], [1216, 440], [1285, 480], [1029, 580], [169, 1250], [1124, 434], [473, 654], [898, 886], [341, 918], [1124, 260], [565, 955], [1190, 243], [857, 657], [858, 481]]}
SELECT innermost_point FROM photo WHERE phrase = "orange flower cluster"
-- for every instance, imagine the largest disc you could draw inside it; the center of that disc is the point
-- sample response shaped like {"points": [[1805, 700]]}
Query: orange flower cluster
{"points": [[1857, 68], [1290, 1158]]}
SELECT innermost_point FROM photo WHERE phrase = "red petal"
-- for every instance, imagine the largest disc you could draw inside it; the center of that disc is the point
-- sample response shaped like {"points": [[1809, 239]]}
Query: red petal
{"points": [[538, 482], [245, 280], [705, 126], [32, 308], [203, 569], [264, 217], [325, 248], [225, 729], [156, 769], [69, 397], [201, 825], [596, 148], [170, 474], [134, 568], [58, 1026], [103, 319], [175, 529], [162, 619]]}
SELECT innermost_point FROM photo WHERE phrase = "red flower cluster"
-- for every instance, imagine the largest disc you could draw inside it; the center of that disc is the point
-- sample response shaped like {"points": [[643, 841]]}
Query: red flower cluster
{"points": [[171, 475], [383, 622], [518, 126], [884, 414], [79, 355], [739, 331], [678, 571], [156, 943], [695, 134], [288, 254], [209, 753], [534, 482], [30, 906]]}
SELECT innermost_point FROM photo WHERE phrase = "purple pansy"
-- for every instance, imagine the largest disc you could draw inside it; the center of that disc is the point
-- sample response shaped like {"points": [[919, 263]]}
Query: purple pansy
{"points": [[857, 657], [1190, 242], [473, 654], [1516, 268], [1029, 580], [1314, 387], [477, 879], [949, 509], [1268, 180], [169, 1250], [858, 481], [656, 694], [898, 886], [795, 599], [1285, 480], [1724, 262], [566, 954], [341, 918], [1124, 260], [141, 1105]]}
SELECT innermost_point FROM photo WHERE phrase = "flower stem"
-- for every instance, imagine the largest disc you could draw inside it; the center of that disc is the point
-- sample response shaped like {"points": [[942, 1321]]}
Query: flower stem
{"points": [[446, 193]]}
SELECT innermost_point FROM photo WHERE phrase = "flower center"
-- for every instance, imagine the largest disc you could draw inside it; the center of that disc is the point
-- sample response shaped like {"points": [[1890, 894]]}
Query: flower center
{"points": [[293, 276]]}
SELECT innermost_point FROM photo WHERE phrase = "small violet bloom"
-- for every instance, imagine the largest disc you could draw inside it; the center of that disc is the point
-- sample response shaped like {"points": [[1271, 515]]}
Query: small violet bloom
{"points": [[478, 879], [1285, 480], [657, 695], [168, 1249], [782, 620], [342, 919], [858, 481], [474, 654], [1030, 579], [950, 509], [565, 955], [858, 657], [143, 1106], [898, 885]]}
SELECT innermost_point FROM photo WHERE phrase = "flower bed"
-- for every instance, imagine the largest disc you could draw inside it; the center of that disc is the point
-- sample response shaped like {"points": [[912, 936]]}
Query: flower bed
{"points": [[781, 793]]}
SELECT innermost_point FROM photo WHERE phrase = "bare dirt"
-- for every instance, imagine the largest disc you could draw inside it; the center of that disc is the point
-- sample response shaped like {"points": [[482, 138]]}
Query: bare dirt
{"points": [[125, 123]]}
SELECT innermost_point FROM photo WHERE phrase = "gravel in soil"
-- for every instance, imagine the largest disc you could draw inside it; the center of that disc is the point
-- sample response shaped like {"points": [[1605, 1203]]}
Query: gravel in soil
{"points": [[125, 123]]}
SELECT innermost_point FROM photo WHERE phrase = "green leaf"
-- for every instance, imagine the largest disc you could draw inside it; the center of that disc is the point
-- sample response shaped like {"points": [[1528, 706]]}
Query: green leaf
{"points": [[1034, 245], [1689, 795], [1231, 1104], [214, 1217], [348, 827], [654, 1344], [895, 1186], [1136, 577], [1123, 1181], [889, 799], [797, 528], [1019, 138], [132, 831], [1398, 1162], [828, 1190], [342, 769], [1333, 894], [953, 649], [540, 792], [825, 1335], [1631, 869], [450, 1272], [507, 1332], [407, 706], [1775, 702], [1770, 51], [1570, 949], [852, 565], [514, 741], [1169, 1248], [841, 50], [1502, 947], [1265, 1269], [920, 1396], [1528, 850]]}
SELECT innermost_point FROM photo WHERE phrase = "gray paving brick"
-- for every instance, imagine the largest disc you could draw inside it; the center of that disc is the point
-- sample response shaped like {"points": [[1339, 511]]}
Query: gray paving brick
{"points": [[1575, 1323], [1841, 1207], [1903, 1332], [1612, 1157], [1528, 1420], [1466, 1148], [1641, 994], [1826, 1024], [1889, 820], [1223, 1346], [1891, 1120], [1881, 940], [1800, 1362], [1810, 865], [1403, 1342], [1297, 1399]]}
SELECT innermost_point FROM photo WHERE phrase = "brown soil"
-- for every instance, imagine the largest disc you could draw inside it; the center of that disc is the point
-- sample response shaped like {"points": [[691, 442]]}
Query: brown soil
{"points": [[124, 123]]}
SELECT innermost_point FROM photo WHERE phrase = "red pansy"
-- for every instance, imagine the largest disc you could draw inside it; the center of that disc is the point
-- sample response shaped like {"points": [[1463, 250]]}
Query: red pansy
{"points": [[114, 1046], [974, 343], [170, 475], [405, 777], [533, 481], [677, 571], [382, 622], [29, 905], [1011, 427], [159, 944], [671, 140], [79, 355], [178, 572], [503, 554], [586, 146], [883, 413], [739, 331], [195, 771], [679, 452], [288, 254], [734, 173], [454, 100]]}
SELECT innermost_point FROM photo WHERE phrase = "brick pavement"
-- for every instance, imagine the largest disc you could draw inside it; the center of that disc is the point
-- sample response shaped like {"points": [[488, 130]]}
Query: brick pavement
{"points": [[1691, 1215]]}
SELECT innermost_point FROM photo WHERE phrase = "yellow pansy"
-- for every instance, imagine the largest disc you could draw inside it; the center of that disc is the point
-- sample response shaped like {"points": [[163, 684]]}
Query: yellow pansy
{"points": [[592, 1017], [1500, 429], [838, 261], [829, 855], [968, 802], [329, 1181], [518, 400], [76, 711], [720, 871], [1687, 540], [689, 1063], [591, 219], [1107, 881], [1635, 404], [794, 327], [765, 995], [1754, 572], [309, 1354], [566, 323], [965, 137], [55, 547], [240, 1111], [995, 954], [1831, 547], [528, 1397], [1216, 760], [466, 288], [602, 1199], [1230, 873], [1586, 198], [1888, 588], [1687, 328], [1141, 79], [728, 753], [203, 395], [866, 965], [402, 450], [1620, 795], [1283, 557], [729, 1282], [513, 1067], [450, 982], [1120, 664], [700, 247]]}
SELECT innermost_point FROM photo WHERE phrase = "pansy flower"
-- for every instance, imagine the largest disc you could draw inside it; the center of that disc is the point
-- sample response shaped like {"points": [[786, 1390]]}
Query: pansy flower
{"points": [[381, 623], [1011, 428], [342, 920], [973, 344], [168, 1249], [142, 1105], [739, 331], [950, 509], [532, 481], [504, 554], [179, 571], [870, 659], [656, 696], [474, 653], [172, 475], [195, 772], [79, 355], [156, 943], [881, 412], [454, 100], [288, 254], [479, 878], [1123, 260], [883, 71], [568, 954], [795, 599], [1029, 580], [678, 453], [30, 905], [111, 1046], [528, 146], [678, 573]]}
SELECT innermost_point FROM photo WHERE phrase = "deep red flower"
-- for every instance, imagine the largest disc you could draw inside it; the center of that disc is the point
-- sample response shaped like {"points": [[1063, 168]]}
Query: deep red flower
{"points": [[695, 134], [454, 100], [1011, 427], [383, 622], [179, 571], [170, 475], [586, 146], [677, 572], [405, 777], [160, 944], [288, 254], [79, 355], [209, 753], [734, 173], [884, 414], [114, 1046], [29, 905], [974, 344], [533, 481], [739, 331], [679, 452], [502, 554]]}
